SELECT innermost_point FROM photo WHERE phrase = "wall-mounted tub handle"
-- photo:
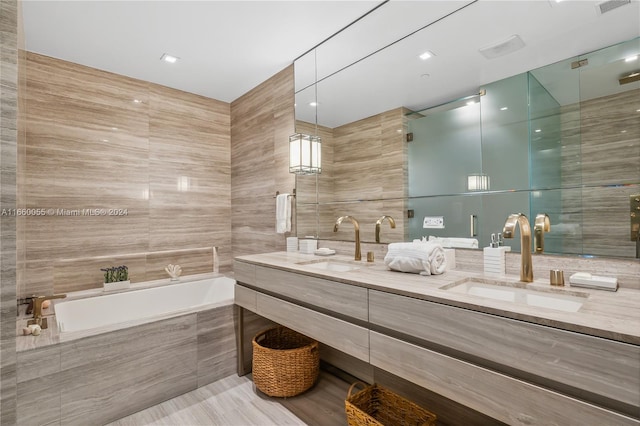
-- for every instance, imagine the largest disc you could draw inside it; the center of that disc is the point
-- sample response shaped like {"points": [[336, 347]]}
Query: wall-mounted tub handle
{"points": [[473, 225]]}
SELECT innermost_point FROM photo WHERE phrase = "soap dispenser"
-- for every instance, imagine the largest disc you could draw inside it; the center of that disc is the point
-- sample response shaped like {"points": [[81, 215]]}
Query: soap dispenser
{"points": [[495, 258]]}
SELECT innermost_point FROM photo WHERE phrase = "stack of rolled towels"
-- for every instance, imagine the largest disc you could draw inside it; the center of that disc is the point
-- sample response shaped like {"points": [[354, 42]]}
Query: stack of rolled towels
{"points": [[425, 258]]}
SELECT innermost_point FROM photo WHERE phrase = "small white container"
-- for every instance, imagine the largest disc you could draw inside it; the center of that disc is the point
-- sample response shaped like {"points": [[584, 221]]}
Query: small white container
{"points": [[495, 260], [308, 246], [292, 244], [118, 285]]}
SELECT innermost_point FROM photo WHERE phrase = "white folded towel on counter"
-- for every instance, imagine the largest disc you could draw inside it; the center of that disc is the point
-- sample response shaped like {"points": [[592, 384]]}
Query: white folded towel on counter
{"points": [[454, 242], [425, 258], [283, 213]]}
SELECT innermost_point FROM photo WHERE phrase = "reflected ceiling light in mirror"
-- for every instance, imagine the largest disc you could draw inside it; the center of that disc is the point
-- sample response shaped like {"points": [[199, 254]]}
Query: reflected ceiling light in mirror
{"points": [[169, 58], [478, 182], [313, 104], [537, 130], [471, 103], [631, 58], [426, 55], [504, 108], [305, 154]]}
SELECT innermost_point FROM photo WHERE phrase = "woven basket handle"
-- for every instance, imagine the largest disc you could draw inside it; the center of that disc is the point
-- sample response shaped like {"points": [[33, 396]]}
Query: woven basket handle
{"points": [[353, 386]]}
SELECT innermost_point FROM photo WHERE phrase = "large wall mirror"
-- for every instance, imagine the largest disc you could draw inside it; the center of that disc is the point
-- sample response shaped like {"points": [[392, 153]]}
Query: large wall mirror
{"points": [[561, 139]]}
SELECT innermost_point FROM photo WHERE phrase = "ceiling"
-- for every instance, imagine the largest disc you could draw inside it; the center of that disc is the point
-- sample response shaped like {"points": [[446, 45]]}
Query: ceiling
{"points": [[455, 31], [228, 47]]}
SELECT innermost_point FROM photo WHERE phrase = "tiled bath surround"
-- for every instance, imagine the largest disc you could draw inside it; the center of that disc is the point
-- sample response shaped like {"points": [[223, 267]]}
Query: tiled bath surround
{"points": [[97, 140], [98, 379]]}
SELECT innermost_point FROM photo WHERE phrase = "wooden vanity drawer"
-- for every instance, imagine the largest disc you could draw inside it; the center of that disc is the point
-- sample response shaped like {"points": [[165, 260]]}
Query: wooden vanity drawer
{"points": [[245, 297], [571, 362], [342, 335], [504, 398], [334, 296], [244, 272]]}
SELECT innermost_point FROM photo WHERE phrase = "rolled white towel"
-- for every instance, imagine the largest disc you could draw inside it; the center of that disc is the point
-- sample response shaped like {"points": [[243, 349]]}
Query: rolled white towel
{"points": [[417, 258]]}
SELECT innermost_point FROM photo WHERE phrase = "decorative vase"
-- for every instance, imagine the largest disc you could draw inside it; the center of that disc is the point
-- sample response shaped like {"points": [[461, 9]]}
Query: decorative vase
{"points": [[118, 285]]}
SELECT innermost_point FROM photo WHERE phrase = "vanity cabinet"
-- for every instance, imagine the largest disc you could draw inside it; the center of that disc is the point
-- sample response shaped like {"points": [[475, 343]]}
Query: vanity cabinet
{"points": [[514, 371], [346, 300], [601, 370], [512, 401]]}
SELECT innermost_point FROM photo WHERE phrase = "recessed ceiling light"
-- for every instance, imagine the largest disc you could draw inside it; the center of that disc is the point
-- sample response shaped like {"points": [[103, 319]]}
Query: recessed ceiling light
{"points": [[426, 55], [631, 58], [504, 108], [638, 110], [538, 130], [313, 104], [169, 58]]}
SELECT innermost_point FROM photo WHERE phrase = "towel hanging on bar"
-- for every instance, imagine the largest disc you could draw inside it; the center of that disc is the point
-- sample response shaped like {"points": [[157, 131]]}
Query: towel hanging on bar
{"points": [[283, 213]]}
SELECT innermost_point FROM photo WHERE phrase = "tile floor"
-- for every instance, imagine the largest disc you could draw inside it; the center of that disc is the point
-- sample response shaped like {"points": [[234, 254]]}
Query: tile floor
{"points": [[233, 401]]}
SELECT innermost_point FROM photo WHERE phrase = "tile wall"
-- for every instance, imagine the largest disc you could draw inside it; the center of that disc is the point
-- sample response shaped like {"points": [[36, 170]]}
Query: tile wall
{"points": [[156, 159], [9, 42], [364, 160], [261, 123]]}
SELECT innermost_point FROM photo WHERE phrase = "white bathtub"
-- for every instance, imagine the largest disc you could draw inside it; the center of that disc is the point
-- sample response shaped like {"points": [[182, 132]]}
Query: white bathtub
{"points": [[105, 312]]}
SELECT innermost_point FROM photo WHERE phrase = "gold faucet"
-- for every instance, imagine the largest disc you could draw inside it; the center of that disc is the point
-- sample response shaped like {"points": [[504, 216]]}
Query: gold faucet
{"points": [[392, 223], [37, 309], [542, 225], [356, 225], [526, 266]]}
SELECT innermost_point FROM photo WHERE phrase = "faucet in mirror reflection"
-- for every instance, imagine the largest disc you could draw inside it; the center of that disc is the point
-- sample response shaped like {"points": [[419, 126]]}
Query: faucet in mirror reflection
{"points": [[541, 225], [392, 224]]}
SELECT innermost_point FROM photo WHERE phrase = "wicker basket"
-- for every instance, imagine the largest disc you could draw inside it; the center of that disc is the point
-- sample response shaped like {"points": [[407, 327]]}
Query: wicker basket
{"points": [[285, 363], [375, 405]]}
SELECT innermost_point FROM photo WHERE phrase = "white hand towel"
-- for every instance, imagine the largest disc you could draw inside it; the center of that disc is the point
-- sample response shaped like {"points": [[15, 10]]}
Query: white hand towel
{"points": [[283, 213], [417, 258]]}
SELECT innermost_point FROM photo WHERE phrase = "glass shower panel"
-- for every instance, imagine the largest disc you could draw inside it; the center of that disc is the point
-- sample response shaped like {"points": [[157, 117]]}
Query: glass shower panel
{"points": [[553, 134], [445, 149], [505, 137], [456, 212]]}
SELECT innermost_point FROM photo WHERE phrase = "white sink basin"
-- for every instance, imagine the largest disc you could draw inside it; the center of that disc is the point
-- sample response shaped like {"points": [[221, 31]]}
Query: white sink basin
{"points": [[331, 266], [524, 296]]}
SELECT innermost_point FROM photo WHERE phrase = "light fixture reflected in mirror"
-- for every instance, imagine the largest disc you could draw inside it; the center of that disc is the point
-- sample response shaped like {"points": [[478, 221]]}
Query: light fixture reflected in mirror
{"points": [[305, 154], [478, 182]]}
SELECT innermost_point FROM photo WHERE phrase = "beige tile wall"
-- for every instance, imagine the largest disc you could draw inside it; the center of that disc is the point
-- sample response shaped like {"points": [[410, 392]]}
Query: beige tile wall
{"points": [[601, 146], [9, 87], [364, 161], [261, 122], [97, 140]]}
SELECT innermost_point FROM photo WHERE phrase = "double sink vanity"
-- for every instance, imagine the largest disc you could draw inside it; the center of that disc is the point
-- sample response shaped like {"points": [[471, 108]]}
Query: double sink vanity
{"points": [[523, 354]]}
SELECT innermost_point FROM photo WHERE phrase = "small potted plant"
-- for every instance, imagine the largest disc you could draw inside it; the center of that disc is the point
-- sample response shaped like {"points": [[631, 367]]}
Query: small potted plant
{"points": [[116, 278]]}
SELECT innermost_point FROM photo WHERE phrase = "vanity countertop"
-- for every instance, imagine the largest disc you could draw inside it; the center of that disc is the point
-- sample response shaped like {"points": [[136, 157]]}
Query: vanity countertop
{"points": [[611, 315]]}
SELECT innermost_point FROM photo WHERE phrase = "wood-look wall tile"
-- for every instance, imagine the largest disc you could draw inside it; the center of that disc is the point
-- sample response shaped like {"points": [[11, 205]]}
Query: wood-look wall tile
{"points": [[129, 359], [217, 357], [9, 104], [259, 119], [89, 145], [36, 363], [192, 261], [51, 75], [39, 401], [84, 273]]}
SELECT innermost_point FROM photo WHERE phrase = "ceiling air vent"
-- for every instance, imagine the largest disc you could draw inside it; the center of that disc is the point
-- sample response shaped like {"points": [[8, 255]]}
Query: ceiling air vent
{"points": [[608, 6]]}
